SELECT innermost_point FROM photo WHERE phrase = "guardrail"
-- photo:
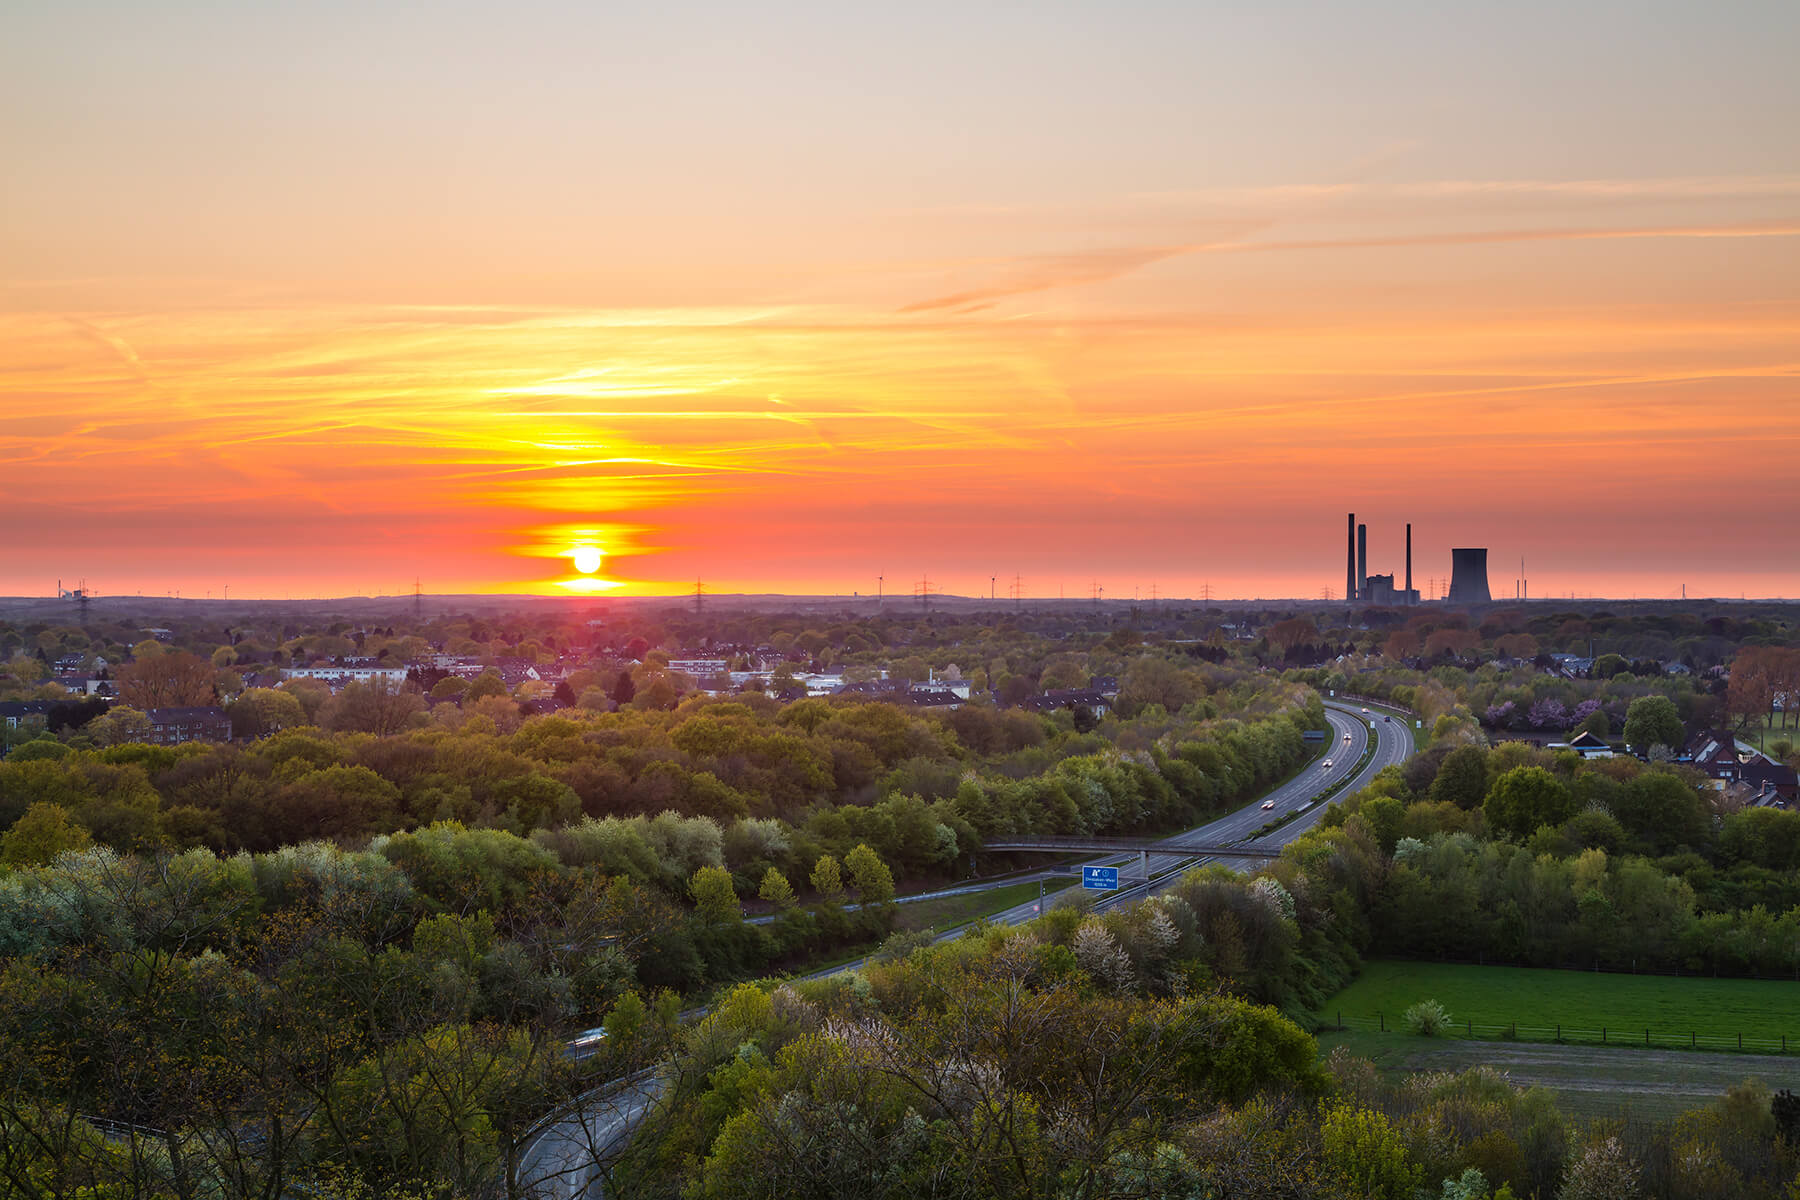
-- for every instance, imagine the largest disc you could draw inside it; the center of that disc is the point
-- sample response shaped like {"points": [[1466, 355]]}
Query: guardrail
{"points": [[1353, 698], [1105, 845]]}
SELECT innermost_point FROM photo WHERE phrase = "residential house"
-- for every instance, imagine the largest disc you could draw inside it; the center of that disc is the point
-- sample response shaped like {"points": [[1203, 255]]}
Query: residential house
{"points": [[1777, 779], [336, 675], [1716, 754], [1571, 666], [24, 714], [1092, 699], [1588, 745], [200, 723], [700, 668], [86, 685]]}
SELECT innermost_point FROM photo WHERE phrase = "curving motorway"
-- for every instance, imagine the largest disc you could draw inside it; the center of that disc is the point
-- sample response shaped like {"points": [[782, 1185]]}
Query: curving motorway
{"points": [[1393, 741], [564, 1160]]}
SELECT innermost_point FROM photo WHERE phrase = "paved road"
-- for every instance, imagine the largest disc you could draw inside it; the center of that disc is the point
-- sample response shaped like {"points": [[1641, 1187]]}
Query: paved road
{"points": [[1393, 744], [563, 1161]]}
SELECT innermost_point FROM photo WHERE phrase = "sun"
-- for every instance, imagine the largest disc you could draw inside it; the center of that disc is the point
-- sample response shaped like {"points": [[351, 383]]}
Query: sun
{"points": [[586, 559]]}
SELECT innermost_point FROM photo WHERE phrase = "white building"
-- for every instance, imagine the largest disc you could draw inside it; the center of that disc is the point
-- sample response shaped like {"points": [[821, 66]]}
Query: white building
{"points": [[334, 673]]}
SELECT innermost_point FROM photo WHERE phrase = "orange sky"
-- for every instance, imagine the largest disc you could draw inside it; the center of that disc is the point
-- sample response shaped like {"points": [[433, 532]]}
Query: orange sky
{"points": [[302, 326]]}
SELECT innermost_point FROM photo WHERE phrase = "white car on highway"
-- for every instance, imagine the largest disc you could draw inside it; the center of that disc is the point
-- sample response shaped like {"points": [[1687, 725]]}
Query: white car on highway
{"points": [[1326, 765], [1268, 804]]}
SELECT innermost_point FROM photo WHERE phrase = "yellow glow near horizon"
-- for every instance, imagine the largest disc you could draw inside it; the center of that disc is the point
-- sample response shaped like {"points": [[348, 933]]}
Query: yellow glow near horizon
{"points": [[588, 584]]}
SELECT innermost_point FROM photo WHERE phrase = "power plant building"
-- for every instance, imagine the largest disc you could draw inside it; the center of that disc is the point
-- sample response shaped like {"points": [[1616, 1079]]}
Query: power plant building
{"points": [[1361, 586]]}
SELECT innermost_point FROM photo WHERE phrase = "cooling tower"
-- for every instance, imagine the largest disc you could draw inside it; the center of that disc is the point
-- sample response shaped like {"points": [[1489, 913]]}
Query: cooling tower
{"points": [[1468, 577]]}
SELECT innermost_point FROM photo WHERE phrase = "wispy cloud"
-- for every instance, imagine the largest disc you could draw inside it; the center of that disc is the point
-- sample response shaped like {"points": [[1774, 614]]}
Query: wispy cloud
{"points": [[1050, 272], [1042, 273], [1696, 187]]}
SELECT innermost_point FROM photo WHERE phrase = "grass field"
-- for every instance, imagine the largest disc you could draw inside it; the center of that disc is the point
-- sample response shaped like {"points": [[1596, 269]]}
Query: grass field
{"points": [[939, 915], [1589, 1007], [1589, 1081], [956, 910], [1774, 728]]}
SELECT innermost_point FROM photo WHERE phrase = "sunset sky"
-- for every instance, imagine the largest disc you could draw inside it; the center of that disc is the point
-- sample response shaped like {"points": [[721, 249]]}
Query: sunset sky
{"points": [[320, 299]]}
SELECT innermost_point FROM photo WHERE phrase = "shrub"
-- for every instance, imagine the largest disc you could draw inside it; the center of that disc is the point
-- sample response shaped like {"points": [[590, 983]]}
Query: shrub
{"points": [[1427, 1018]]}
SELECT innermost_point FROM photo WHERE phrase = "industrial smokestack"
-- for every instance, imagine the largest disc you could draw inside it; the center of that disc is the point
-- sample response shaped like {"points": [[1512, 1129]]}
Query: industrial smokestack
{"points": [[1409, 595], [1349, 560], [1362, 562]]}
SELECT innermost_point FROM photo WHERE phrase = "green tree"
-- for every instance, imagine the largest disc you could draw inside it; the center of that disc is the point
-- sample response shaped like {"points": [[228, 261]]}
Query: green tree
{"points": [[450, 687], [1526, 797], [714, 898], [625, 1022], [1473, 1185], [262, 711], [775, 889], [828, 879], [1662, 812], [1366, 1150], [1596, 723], [874, 882], [121, 726], [1461, 778], [657, 693], [1154, 680], [45, 831], [1427, 1018], [1608, 665], [1383, 816], [1652, 721], [488, 683]]}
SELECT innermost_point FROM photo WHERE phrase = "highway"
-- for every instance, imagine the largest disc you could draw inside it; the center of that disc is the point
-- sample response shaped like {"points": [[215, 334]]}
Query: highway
{"points": [[564, 1160], [1393, 745]]}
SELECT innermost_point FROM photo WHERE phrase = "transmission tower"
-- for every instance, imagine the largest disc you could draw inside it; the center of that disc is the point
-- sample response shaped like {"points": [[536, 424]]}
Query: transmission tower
{"points": [[699, 593], [1017, 591], [922, 593]]}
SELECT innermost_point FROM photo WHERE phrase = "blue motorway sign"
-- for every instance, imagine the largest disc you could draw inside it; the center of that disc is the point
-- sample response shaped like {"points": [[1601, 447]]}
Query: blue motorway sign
{"points": [[1100, 879]]}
